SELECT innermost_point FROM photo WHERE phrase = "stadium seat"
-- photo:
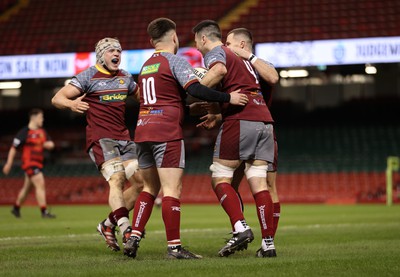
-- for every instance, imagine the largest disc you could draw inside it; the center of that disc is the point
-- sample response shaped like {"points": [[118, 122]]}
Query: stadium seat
{"points": [[50, 26]]}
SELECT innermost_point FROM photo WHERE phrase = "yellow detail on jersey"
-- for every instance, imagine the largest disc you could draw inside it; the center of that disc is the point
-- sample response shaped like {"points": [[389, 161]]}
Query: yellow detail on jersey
{"points": [[149, 69], [113, 97], [102, 70]]}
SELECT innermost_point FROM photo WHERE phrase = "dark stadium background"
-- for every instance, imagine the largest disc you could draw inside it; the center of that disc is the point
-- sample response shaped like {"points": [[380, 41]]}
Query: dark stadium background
{"points": [[333, 137]]}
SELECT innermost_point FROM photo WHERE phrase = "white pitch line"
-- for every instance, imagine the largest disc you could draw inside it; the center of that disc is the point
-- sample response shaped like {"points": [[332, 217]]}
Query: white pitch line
{"points": [[209, 230], [95, 234]]}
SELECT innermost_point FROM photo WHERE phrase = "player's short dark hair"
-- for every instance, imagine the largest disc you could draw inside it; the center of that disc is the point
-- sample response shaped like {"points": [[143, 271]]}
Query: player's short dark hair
{"points": [[209, 28], [159, 27], [242, 31], [35, 111]]}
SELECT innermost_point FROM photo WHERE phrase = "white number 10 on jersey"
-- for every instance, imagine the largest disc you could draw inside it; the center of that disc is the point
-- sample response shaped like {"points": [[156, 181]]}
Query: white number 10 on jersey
{"points": [[149, 91]]}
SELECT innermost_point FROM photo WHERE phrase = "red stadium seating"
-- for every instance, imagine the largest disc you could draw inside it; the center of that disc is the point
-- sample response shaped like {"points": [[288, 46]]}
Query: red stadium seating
{"points": [[330, 188], [48, 26], [285, 20]]}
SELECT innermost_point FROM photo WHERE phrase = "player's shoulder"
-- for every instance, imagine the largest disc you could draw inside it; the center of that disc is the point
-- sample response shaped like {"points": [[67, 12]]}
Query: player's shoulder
{"points": [[169, 56], [24, 129], [219, 49], [217, 53], [87, 73], [125, 73], [22, 132]]}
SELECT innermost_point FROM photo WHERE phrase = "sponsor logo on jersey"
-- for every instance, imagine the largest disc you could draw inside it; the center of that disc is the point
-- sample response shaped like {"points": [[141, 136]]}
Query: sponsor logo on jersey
{"points": [[157, 112], [258, 101], [112, 97], [149, 69], [255, 93], [151, 111], [143, 122]]}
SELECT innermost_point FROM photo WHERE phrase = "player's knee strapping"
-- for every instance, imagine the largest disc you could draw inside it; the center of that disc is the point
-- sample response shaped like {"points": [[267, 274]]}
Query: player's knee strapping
{"points": [[131, 168], [219, 170], [255, 171], [109, 168]]}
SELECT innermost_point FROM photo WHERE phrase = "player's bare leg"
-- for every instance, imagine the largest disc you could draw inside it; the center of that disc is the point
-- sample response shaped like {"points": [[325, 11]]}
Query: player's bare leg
{"points": [[116, 199], [130, 194], [40, 188], [107, 228], [116, 183], [38, 181], [22, 194]]}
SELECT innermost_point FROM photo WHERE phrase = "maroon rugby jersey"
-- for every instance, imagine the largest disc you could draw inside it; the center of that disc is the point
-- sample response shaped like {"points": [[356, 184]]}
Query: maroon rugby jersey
{"points": [[106, 95], [163, 81], [240, 75], [31, 142]]}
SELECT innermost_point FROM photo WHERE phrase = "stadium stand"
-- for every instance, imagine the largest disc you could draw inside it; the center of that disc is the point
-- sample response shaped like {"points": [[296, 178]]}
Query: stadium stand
{"points": [[285, 20], [74, 26]]}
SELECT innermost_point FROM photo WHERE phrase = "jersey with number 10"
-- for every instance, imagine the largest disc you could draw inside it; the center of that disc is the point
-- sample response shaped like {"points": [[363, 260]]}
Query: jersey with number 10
{"points": [[163, 81]]}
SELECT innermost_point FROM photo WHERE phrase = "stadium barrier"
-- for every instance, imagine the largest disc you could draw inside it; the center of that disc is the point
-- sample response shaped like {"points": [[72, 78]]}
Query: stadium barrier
{"points": [[330, 188]]}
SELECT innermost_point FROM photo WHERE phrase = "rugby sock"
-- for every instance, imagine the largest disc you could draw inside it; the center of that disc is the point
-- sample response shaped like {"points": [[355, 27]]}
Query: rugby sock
{"points": [[229, 200], [142, 212], [240, 226], [43, 209], [171, 214], [110, 221], [121, 216], [277, 215], [265, 209]]}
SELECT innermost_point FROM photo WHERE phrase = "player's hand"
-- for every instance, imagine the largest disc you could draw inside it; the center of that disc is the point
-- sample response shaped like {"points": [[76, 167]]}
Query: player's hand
{"points": [[6, 168], [238, 98], [210, 121], [79, 106], [213, 107], [198, 108], [49, 145], [244, 54]]}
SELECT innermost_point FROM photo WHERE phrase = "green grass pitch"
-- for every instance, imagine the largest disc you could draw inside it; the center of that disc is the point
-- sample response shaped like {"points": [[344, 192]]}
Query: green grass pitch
{"points": [[312, 240]]}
